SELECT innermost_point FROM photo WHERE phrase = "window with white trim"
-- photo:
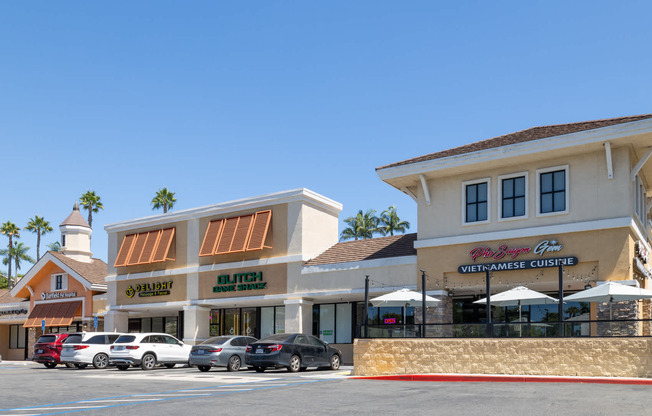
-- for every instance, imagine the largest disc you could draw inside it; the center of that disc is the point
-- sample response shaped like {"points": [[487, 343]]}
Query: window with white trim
{"points": [[476, 201], [59, 282], [513, 196], [552, 190], [640, 199]]}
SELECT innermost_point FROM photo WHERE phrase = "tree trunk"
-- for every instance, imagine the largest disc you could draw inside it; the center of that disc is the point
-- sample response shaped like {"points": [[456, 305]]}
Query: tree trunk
{"points": [[9, 269], [38, 244], [90, 216]]}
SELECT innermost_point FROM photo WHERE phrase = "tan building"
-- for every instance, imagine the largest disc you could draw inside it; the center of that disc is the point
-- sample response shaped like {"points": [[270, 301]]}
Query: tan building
{"points": [[250, 266], [63, 292], [552, 208]]}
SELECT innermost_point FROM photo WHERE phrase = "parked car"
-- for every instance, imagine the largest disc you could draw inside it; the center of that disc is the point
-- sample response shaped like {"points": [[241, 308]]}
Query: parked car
{"points": [[293, 351], [47, 349], [147, 350], [225, 351], [84, 348]]}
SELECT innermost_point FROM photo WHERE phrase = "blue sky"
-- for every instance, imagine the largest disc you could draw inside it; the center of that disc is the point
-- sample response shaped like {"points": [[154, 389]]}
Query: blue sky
{"points": [[226, 100]]}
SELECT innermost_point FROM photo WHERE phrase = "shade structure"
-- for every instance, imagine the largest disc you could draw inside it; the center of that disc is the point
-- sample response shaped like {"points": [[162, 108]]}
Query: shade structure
{"points": [[403, 297], [610, 292], [54, 314], [519, 296]]}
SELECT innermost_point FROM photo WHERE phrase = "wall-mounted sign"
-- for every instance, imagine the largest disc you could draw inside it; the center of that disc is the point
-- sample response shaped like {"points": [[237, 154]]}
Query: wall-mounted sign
{"points": [[20, 311], [546, 246], [146, 290], [58, 295], [239, 282], [518, 265], [641, 252]]}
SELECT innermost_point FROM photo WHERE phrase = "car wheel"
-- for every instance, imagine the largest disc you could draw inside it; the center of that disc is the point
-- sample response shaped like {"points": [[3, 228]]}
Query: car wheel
{"points": [[50, 365], [259, 369], [148, 362], [295, 364], [81, 366], [122, 367], [204, 368], [100, 361], [234, 363], [335, 362], [170, 365]]}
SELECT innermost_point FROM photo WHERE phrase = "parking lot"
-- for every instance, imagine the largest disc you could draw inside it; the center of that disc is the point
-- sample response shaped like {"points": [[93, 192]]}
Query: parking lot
{"points": [[32, 389]]}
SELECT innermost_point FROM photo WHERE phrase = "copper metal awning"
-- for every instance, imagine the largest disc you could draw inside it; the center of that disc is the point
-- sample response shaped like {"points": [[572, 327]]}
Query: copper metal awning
{"points": [[55, 314]]}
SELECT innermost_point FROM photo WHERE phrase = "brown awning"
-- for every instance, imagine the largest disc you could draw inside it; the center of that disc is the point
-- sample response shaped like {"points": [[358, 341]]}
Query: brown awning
{"points": [[145, 248], [236, 234], [55, 314]]}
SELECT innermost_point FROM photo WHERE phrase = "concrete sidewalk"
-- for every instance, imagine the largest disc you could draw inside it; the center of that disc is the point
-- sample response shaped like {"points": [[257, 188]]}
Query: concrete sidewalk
{"points": [[484, 378]]}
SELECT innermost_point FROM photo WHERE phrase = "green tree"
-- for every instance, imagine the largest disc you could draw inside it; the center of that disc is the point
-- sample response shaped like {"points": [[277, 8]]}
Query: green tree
{"points": [[390, 222], [91, 202], [40, 227], [18, 252], [10, 230], [3, 281], [163, 199], [56, 246], [362, 226]]}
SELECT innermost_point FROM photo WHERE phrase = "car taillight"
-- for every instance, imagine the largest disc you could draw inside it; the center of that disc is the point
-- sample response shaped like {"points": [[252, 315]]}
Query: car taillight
{"points": [[80, 347], [275, 347], [132, 347], [249, 348], [215, 350]]}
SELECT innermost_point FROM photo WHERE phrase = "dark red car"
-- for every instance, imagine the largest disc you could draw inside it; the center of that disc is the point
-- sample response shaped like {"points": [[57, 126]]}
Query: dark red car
{"points": [[47, 349]]}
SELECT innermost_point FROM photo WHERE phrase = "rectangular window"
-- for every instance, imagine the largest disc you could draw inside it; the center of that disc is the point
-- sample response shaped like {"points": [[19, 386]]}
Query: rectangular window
{"points": [[343, 323], [476, 201], [513, 197], [59, 283], [16, 336], [327, 323], [640, 199], [552, 191]]}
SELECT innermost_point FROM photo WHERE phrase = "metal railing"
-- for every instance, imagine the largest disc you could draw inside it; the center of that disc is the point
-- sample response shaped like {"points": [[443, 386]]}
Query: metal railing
{"points": [[550, 329]]}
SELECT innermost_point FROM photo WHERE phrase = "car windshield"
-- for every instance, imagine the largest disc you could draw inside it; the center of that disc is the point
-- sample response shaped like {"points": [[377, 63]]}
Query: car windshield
{"points": [[216, 340], [125, 339], [73, 339], [275, 338], [47, 338]]}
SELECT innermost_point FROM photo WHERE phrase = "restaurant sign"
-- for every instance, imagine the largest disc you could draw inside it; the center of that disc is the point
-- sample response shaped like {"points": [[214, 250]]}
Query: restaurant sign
{"points": [[518, 265], [546, 246], [146, 290], [239, 282]]}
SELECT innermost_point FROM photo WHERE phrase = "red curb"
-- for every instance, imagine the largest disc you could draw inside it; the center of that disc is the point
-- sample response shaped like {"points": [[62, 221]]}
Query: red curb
{"points": [[507, 379]]}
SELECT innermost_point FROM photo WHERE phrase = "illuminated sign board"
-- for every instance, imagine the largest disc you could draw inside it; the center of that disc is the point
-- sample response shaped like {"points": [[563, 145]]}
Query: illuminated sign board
{"points": [[390, 320], [146, 290], [239, 282]]}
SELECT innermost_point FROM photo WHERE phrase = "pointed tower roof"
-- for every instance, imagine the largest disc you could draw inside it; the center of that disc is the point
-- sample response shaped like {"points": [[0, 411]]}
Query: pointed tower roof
{"points": [[75, 218]]}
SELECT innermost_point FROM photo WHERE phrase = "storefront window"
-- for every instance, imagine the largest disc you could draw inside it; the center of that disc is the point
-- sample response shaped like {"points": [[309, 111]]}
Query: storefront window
{"points": [[266, 321], [280, 320], [214, 322], [249, 321], [327, 322], [343, 323], [165, 324], [333, 322], [16, 336]]}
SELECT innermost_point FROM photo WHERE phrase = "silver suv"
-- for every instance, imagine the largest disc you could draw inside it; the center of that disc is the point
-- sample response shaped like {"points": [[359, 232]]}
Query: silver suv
{"points": [[147, 350]]}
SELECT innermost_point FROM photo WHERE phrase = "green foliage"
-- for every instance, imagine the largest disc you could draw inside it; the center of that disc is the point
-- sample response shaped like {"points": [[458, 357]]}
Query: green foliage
{"points": [[390, 222], [163, 199], [362, 226], [39, 226], [91, 202], [56, 246], [12, 231]]}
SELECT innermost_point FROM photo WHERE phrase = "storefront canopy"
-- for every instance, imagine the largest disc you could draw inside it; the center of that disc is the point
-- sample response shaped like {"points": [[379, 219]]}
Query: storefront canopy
{"points": [[54, 314]]}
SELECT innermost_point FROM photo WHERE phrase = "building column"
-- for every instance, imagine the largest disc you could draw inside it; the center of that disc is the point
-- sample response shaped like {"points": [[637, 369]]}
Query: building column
{"points": [[298, 316], [116, 321], [196, 324]]}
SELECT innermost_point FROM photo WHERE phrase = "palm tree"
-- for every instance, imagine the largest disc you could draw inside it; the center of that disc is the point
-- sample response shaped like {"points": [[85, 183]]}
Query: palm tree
{"points": [[10, 230], [41, 227], [390, 222], [91, 202], [56, 246], [163, 199], [3, 281], [363, 225], [18, 252]]}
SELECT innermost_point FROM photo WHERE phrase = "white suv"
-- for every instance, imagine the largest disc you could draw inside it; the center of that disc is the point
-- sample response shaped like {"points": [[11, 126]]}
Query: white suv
{"points": [[84, 348], [147, 350]]}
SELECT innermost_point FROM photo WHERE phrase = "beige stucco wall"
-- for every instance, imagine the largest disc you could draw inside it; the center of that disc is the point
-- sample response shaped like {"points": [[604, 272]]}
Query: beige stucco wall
{"points": [[311, 230], [609, 357], [273, 276], [177, 290], [592, 195]]}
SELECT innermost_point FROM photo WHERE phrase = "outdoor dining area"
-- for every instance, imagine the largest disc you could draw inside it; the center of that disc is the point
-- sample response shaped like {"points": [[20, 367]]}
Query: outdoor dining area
{"points": [[609, 309]]}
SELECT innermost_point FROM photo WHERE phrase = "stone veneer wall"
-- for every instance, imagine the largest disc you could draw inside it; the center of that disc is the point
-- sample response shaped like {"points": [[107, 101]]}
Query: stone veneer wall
{"points": [[608, 357]]}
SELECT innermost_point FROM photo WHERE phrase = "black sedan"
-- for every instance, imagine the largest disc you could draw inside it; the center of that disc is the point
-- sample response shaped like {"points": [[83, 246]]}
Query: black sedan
{"points": [[293, 351]]}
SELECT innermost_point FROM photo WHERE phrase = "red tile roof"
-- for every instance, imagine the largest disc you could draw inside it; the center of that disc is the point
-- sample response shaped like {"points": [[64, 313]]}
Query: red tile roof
{"points": [[534, 133], [370, 249]]}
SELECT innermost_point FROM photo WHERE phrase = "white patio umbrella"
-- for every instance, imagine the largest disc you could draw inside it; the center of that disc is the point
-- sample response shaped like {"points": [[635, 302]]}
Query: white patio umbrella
{"points": [[403, 298], [610, 292], [518, 296]]}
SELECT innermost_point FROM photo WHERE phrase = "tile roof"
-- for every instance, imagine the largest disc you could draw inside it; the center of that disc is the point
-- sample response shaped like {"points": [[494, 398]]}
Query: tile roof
{"points": [[370, 249], [75, 218], [534, 133], [94, 272], [5, 297]]}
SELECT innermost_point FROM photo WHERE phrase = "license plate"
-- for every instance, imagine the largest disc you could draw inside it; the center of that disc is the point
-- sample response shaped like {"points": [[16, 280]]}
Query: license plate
{"points": [[199, 352], [259, 351], [39, 351], [119, 348]]}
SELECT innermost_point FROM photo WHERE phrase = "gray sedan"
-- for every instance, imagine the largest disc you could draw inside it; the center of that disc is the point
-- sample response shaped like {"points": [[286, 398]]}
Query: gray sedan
{"points": [[224, 351]]}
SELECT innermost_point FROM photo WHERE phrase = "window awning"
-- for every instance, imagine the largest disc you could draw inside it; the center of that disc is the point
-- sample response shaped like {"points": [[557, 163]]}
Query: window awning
{"points": [[55, 314], [145, 248], [236, 234]]}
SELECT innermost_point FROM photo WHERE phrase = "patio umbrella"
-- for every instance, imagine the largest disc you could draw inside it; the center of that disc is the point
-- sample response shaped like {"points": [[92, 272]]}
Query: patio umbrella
{"points": [[519, 296], [403, 298], [610, 292]]}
